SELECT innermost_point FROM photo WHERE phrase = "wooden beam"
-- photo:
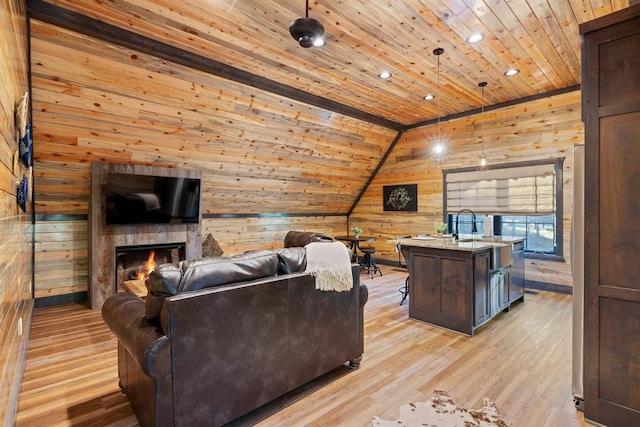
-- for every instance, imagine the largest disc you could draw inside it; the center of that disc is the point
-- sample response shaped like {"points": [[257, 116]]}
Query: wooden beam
{"points": [[497, 106], [375, 172]]}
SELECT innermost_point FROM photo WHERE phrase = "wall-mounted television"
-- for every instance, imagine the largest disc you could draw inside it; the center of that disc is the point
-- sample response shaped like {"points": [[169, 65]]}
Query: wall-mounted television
{"points": [[147, 199]]}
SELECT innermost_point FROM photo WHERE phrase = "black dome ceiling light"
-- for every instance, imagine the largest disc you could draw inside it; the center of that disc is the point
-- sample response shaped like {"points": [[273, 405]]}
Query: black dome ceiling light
{"points": [[307, 31]]}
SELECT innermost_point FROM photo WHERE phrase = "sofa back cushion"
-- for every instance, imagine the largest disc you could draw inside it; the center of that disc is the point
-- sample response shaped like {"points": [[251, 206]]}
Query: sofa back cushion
{"points": [[216, 271], [303, 238], [291, 260]]}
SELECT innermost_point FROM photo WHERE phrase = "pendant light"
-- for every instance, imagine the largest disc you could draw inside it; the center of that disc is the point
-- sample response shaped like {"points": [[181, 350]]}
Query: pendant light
{"points": [[438, 151], [483, 158], [307, 31]]}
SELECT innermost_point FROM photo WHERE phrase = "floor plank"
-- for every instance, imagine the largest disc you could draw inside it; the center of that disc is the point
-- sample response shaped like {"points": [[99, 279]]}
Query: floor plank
{"points": [[521, 360]]}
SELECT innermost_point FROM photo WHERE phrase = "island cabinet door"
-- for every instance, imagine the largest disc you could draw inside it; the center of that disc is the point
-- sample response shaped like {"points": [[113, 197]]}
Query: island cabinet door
{"points": [[440, 289], [481, 308], [424, 286]]}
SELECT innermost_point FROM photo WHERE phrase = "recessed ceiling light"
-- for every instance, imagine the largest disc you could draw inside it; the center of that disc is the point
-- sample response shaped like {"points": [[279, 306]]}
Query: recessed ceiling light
{"points": [[475, 38], [384, 75], [429, 97], [511, 72]]}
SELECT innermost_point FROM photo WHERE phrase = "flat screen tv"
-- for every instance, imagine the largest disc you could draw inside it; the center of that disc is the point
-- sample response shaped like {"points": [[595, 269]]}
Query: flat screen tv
{"points": [[146, 199]]}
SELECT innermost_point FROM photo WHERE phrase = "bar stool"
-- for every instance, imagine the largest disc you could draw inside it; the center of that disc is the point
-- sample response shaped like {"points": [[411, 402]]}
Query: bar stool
{"points": [[369, 262], [404, 290]]}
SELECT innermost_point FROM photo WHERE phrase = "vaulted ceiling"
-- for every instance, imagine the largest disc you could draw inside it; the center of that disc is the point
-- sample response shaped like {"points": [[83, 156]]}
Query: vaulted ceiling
{"points": [[364, 37], [222, 87]]}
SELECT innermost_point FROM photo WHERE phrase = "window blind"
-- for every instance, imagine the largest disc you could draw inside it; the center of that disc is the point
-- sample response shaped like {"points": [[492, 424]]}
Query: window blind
{"points": [[526, 190]]}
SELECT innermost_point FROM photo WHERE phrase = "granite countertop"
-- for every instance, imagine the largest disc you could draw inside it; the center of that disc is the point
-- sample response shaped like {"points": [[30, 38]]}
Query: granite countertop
{"points": [[497, 239], [446, 243], [466, 243]]}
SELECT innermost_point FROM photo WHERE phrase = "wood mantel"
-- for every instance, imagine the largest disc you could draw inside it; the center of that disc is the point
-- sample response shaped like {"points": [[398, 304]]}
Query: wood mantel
{"points": [[104, 239]]}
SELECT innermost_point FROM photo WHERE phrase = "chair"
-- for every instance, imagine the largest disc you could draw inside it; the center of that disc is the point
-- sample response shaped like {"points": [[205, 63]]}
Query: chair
{"points": [[369, 262], [401, 264], [404, 290], [353, 256]]}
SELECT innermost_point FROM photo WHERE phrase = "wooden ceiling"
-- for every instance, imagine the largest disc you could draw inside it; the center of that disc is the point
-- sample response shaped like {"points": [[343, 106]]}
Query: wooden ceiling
{"points": [[365, 37]]}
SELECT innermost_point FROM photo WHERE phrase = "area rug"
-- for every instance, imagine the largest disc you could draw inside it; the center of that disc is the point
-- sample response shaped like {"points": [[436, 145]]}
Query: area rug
{"points": [[441, 411]]}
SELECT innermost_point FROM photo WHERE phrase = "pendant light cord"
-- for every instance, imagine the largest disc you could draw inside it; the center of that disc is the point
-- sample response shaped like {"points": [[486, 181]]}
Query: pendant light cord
{"points": [[438, 150], [483, 158], [438, 124], [482, 119], [306, 10], [438, 52]]}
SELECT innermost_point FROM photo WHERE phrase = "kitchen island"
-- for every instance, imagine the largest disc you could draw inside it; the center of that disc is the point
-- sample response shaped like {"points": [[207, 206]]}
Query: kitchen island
{"points": [[462, 284]]}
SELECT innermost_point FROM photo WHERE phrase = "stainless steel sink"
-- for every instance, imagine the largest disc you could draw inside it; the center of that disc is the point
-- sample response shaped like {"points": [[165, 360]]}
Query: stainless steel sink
{"points": [[500, 256], [500, 252]]}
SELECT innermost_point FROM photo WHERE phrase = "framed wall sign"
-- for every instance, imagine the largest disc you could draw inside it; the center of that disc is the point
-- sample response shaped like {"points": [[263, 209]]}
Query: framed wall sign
{"points": [[400, 197]]}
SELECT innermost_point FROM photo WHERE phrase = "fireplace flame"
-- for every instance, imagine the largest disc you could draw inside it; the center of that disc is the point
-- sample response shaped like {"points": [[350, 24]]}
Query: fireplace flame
{"points": [[150, 265]]}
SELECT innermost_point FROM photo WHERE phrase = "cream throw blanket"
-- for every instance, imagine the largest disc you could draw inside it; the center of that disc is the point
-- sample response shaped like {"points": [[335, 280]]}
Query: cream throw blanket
{"points": [[330, 263]]}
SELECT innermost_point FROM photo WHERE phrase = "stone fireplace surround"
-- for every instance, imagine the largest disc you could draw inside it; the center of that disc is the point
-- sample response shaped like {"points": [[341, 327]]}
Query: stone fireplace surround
{"points": [[103, 239]]}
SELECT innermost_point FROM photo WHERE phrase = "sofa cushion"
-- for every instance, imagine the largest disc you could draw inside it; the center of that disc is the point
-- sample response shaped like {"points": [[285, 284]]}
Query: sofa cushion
{"points": [[162, 282], [291, 260], [303, 238], [216, 271]]}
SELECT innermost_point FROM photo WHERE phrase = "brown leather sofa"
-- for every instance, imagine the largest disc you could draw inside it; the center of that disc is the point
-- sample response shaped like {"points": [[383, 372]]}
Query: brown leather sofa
{"points": [[219, 337]]}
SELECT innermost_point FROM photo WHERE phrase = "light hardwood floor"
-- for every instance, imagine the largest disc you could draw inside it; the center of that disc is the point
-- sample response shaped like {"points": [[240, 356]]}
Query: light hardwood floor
{"points": [[521, 360]]}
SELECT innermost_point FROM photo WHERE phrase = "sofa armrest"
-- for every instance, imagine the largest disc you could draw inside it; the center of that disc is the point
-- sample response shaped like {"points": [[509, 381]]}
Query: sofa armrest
{"points": [[364, 295], [148, 346]]}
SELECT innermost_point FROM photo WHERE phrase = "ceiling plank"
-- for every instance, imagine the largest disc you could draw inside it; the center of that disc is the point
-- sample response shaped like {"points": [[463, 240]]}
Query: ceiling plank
{"points": [[70, 20]]}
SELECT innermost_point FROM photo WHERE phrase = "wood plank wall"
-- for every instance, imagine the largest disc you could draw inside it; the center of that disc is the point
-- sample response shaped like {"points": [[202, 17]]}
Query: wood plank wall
{"points": [[61, 255], [259, 153], [542, 129], [61, 258], [15, 226], [237, 235]]}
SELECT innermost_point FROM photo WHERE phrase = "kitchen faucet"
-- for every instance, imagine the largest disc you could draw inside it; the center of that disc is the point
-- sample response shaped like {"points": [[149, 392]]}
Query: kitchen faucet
{"points": [[474, 228]]}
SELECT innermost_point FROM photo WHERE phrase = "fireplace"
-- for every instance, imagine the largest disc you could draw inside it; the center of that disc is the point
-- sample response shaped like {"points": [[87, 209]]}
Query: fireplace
{"points": [[105, 239], [136, 262]]}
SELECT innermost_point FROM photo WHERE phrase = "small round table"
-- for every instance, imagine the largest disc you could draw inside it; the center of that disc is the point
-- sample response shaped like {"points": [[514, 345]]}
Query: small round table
{"points": [[354, 243]]}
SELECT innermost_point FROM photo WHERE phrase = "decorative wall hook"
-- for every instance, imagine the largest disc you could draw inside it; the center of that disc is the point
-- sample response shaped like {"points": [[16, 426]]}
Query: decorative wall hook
{"points": [[26, 146], [22, 194]]}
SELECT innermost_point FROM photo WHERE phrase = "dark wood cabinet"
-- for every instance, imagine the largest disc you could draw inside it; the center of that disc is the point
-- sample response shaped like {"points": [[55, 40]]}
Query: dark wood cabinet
{"points": [[449, 288], [611, 114]]}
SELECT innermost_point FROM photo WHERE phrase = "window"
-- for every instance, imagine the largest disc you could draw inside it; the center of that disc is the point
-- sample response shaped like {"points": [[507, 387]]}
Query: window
{"points": [[524, 200], [539, 231]]}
